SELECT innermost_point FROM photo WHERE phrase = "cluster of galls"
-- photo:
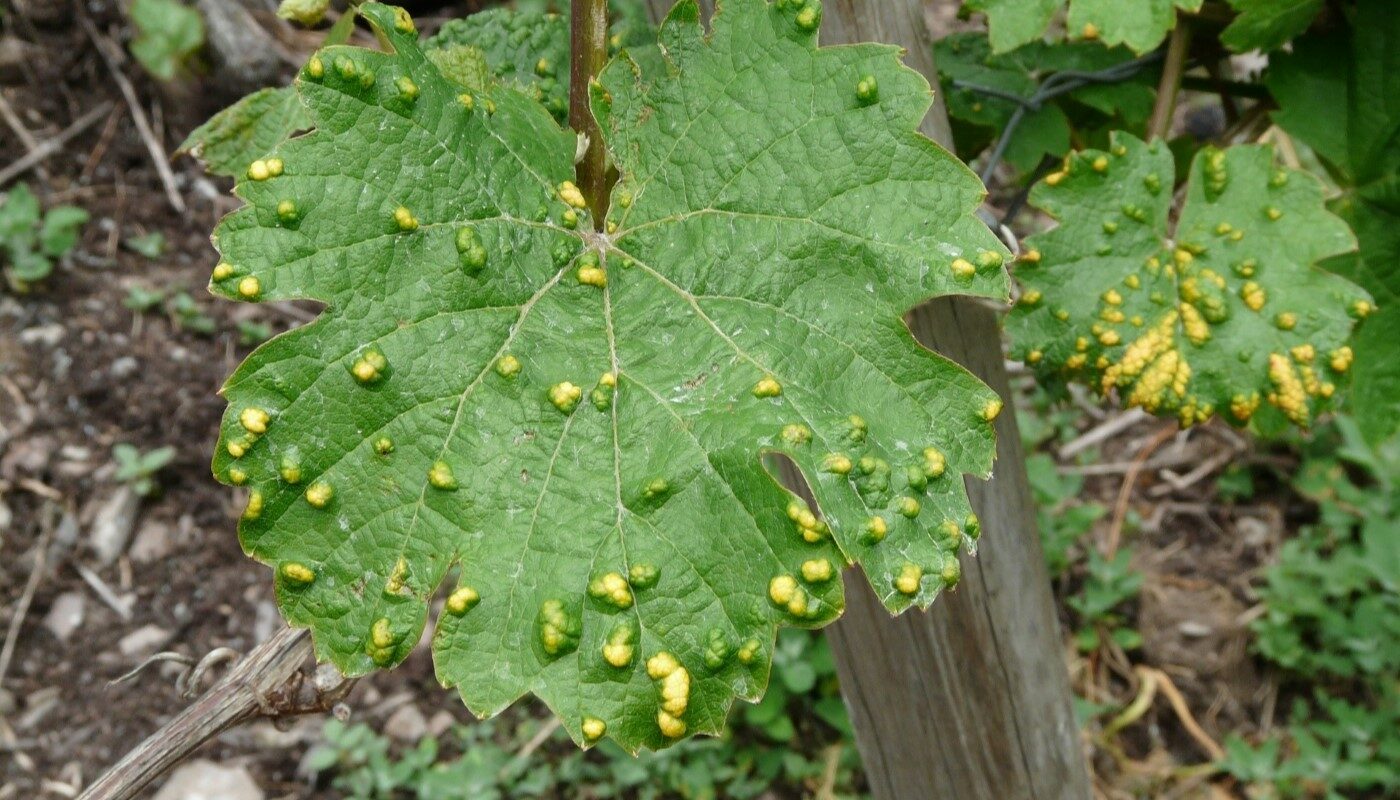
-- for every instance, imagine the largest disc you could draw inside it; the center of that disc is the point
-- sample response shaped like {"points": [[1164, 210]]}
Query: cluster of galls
{"points": [[1141, 358], [873, 478]]}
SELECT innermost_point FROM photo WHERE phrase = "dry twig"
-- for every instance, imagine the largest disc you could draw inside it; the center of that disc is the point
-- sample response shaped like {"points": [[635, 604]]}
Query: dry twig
{"points": [[112, 57], [1125, 493], [50, 146]]}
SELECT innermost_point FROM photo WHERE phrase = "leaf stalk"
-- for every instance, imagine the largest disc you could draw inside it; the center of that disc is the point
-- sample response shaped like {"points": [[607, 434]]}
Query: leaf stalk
{"points": [[588, 40]]}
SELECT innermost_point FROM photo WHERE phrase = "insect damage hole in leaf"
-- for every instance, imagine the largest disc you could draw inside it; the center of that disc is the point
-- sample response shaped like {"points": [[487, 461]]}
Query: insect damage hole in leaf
{"points": [[574, 423], [1225, 314]]}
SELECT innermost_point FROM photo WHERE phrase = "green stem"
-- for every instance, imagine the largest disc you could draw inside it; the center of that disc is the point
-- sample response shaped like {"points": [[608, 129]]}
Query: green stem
{"points": [[1177, 50], [588, 53]]}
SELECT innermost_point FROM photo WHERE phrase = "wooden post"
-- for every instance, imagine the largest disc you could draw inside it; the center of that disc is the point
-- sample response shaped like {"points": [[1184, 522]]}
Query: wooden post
{"points": [[971, 700]]}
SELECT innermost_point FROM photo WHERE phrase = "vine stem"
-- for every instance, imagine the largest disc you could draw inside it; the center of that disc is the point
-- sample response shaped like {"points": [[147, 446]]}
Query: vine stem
{"points": [[1170, 85], [268, 682], [588, 40]]}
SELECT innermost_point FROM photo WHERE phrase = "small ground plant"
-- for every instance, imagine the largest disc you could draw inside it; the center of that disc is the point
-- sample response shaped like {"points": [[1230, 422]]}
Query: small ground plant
{"points": [[32, 239]]}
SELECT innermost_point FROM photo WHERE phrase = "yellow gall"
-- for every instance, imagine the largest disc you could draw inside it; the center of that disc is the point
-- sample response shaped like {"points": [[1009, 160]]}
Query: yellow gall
{"points": [[1031, 256], [508, 366], [670, 727], [1273, 213], [1034, 356], [876, 528], [837, 464], [1109, 338], [1362, 309], [817, 570], [1340, 359], [1253, 295], [1054, 178], [237, 476], [565, 396], [991, 409], [316, 68], [462, 600], [319, 494], [1286, 320], [934, 462], [781, 590], [593, 276], [1100, 164], [796, 434], [909, 578], [294, 572], [254, 508], [237, 447], [1113, 298], [909, 507], [404, 219], [254, 420], [440, 476], [1089, 31], [768, 387], [594, 728], [571, 195], [258, 171], [250, 287], [1304, 353], [1031, 298], [222, 271], [963, 269]]}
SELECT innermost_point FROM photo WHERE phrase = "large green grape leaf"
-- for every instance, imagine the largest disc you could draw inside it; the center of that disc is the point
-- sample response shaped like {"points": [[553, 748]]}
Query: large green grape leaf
{"points": [[237, 136], [1340, 94], [1268, 24], [575, 423], [1223, 313], [1140, 24]]}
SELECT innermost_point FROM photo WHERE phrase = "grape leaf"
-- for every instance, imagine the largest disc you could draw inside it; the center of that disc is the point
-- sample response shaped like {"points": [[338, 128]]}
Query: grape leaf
{"points": [[527, 49], [1222, 315], [240, 134], [1140, 24], [1268, 24], [575, 422], [1012, 23], [1339, 93]]}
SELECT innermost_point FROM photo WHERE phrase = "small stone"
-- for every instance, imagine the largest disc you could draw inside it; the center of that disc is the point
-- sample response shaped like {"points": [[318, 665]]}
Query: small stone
{"points": [[144, 641], [112, 524], [206, 780], [155, 541], [65, 615], [406, 725]]}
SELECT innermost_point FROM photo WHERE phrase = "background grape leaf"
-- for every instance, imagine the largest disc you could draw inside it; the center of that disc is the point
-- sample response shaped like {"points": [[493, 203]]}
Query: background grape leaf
{"points": [[1140, 24], [1348, 111], [1268, 24], [1224, 314], [967, 66], [240, 134], [575, 422]]}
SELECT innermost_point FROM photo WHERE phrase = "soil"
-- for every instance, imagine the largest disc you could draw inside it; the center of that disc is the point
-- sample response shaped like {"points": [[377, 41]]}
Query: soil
{"points": [[79, 373]]}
